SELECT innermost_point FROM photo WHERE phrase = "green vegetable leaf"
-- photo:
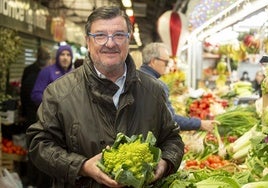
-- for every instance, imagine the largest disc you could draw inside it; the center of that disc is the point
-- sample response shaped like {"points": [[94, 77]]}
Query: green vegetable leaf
{"points": [[218, 182], [120, 139], [126, 177], [260, 184], [150, 139]]}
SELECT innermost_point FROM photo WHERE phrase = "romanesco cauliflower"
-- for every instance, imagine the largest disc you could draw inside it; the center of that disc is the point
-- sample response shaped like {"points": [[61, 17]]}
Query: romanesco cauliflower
{"points": [[131, 161]]}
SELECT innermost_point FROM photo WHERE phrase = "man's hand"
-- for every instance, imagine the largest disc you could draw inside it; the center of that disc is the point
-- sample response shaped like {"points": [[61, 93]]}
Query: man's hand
{"points": [[160, 169], [208, 125], [90, 169]]}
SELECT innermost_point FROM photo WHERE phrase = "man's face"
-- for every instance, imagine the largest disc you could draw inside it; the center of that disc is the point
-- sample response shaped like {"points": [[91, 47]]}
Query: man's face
{"points": [[65, 59], [160, 64], [109, 56]]}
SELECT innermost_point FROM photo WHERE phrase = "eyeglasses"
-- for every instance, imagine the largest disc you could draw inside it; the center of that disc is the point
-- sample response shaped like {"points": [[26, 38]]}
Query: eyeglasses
{"points": [[102, 38], [166, 61]]}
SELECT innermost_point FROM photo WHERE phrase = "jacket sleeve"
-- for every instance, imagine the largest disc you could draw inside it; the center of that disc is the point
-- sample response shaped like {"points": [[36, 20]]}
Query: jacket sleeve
{"points": [[170, 140], [187, 124], [40, 85], [47, 145]]}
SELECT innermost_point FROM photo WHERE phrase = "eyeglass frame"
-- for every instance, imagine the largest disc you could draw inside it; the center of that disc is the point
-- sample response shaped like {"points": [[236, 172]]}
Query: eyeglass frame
{"points": [[163, 60], [127, 35]]}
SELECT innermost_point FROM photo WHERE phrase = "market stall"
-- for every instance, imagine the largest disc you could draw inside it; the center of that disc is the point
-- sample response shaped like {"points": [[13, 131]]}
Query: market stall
{"points": [[231, 42], [237, 34]]}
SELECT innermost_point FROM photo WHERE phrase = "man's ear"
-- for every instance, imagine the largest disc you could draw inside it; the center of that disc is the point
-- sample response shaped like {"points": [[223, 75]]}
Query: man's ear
{"points": [[152, 62]]}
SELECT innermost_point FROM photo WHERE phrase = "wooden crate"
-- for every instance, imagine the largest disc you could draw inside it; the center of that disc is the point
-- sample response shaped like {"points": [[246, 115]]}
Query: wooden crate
{"points": [[9, 160], [8, 164]]}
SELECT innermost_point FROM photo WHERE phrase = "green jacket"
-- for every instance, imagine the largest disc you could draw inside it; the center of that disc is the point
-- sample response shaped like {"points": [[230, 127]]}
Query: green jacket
{"points": [[77, 119]]}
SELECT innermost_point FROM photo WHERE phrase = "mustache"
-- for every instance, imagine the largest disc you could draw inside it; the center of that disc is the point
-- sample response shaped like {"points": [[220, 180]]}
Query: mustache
{"points": [[109, 50]]}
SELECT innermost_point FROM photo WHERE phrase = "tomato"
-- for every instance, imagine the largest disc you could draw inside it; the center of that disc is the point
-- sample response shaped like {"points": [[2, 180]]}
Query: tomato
{"points": [[231, 139], [215, 165], [214, 159], [211, 138], [224, 162], [208, 95], [191, 163], [203, 105], [204, 164]]}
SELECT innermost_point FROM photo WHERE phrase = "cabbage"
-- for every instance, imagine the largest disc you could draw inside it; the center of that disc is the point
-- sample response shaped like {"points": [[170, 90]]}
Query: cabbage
{"points": [[218, 182], [260, 184]]}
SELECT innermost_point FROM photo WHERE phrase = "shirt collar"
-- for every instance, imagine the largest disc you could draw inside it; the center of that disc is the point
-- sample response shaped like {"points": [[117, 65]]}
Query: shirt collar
{"points": [[100, 75]]}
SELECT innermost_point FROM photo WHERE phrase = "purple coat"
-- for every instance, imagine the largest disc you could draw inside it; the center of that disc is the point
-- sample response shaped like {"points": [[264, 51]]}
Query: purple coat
{"points": [[48, 75]]}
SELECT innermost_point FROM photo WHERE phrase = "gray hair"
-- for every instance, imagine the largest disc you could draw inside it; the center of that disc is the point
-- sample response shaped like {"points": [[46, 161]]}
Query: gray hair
{"points": [[106, 12], [151, 51]]}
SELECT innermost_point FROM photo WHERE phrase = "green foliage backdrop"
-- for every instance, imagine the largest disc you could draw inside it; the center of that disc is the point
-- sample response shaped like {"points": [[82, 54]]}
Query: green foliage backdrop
{"points": [[10, 48]]}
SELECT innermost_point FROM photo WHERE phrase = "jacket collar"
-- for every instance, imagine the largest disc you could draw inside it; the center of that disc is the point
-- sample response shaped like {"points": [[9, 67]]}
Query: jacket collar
{"points": [[93, 79], [149, 70]]}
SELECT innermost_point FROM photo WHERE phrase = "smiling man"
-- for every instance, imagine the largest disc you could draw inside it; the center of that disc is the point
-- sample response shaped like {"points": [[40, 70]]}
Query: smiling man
{"points": [[83, 111]]}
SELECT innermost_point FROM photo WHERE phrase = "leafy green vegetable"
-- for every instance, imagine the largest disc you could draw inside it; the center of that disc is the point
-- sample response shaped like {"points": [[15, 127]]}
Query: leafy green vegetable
{"points": [[239, 149], [265, 120], [237, 120], [131, 160], [257, 160], [260, 184], [264, 85], [204, 178], [243, 177], [218, 182]]}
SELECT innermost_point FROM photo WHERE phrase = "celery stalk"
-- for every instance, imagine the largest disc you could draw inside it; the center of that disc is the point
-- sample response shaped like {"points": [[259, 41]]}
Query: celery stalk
{"points": [[221, 149], [242, 153], [242, 141]]}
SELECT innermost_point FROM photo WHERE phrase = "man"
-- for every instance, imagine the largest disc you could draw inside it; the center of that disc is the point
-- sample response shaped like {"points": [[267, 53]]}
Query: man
{"points": [[62, 65], [82, 112], [155, 60], [256, 83], [29, 109], [30, 73]]}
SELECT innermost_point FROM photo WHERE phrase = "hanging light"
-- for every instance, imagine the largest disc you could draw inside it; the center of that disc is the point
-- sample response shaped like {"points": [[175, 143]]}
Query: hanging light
{"points": [[129, 12], [127, 3]]}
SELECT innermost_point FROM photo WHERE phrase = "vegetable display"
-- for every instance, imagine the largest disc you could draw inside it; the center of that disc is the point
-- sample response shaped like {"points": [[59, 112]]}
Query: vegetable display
{"points": [[243, 88], [204, 178], [237, 120], [131, 160], [206, 107], [257, 160], [238, 146]]}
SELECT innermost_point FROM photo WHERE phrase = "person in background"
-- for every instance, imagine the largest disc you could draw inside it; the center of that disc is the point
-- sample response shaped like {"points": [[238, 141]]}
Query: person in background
{"points": [[29, 75], [256, 83], [78, 63], [35, 177], [245, 77], [155, 61], [83, 111], [62, 65]]}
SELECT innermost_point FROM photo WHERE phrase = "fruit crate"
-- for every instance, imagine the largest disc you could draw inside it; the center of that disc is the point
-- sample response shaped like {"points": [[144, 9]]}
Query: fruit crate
{"points": [[9, 160], [8, 164]]}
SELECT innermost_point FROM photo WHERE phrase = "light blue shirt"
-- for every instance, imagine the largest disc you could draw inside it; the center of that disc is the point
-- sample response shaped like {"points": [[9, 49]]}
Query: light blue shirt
{"points": [[120, 82]]}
